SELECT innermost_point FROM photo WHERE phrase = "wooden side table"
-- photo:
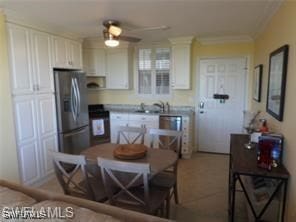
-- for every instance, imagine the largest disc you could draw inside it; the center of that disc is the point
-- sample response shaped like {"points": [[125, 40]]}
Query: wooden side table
{"points": [[243, 162]]}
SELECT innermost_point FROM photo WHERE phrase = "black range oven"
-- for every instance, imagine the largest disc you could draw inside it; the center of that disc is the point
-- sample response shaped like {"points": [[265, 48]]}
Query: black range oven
{"points": [[99, 124]]}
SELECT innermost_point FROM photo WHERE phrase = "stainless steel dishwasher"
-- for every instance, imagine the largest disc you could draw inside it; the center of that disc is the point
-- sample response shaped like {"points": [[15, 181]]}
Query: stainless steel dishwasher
{"points": [[172, 123]]}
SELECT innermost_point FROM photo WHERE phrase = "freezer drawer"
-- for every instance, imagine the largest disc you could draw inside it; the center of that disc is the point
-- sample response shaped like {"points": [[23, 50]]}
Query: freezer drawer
{"points": [[75, 141]]}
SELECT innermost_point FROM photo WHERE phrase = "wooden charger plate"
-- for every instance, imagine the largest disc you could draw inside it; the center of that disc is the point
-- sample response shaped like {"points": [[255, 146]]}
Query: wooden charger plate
{"points": [[130, 151]]}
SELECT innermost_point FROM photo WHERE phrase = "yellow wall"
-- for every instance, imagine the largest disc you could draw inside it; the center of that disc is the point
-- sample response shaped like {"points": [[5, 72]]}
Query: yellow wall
{"points": [[282, 30], [8, 154], [179, 97]]}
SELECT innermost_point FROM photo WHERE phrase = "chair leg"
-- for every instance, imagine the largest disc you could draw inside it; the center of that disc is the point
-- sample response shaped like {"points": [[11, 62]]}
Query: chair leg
{"points": [[176, 194], [168, 200]]}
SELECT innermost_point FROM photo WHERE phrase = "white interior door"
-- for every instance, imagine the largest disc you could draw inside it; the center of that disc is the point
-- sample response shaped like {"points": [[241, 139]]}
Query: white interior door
{"points": [[218, 118]]}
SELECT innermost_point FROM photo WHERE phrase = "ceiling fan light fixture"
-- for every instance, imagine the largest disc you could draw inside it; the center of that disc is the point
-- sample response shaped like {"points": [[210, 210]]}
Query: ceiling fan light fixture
{"points": [[114, 30], [110, 40]]}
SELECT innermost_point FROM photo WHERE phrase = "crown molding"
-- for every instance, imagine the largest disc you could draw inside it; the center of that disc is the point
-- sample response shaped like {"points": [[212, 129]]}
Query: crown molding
{"points": [[14, 18], [181, 40], [225, 39], [273, 7]]}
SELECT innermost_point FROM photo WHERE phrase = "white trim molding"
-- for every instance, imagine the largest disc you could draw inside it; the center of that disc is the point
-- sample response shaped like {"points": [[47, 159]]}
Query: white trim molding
{"points": [[181, 40], [225, 39]]}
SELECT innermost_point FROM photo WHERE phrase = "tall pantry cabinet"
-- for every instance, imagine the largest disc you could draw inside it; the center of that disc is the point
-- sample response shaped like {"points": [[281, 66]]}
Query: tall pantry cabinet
{"points": [[32, 85]]}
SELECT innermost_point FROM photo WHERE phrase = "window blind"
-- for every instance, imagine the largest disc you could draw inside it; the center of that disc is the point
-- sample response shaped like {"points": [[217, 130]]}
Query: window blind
{"points": [[154, 71], [162, 70], [145, 72]]}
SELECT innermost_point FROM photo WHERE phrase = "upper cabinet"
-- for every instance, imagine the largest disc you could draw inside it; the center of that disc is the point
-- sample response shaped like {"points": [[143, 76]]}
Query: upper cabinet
{"points": [[30, 61], [181, 56], [42, 61], [20, 60], [119, 68], [94, 62], [108, 68], [67, 53]]}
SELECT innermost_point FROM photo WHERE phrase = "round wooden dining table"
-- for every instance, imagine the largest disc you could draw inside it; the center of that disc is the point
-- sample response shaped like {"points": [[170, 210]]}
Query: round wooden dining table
{"points": [[159, 159]]}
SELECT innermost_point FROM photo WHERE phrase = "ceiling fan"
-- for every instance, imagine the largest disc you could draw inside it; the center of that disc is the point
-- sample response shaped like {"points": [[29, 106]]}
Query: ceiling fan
{"points": [[112, 32]]}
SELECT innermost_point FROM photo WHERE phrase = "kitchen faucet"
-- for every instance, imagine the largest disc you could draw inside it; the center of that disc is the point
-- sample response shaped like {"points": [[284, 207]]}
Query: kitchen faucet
{"points": [[160, 105]]}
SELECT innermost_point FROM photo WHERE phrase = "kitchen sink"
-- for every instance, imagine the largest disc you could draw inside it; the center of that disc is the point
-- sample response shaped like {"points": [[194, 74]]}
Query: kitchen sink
{"points": [[147, 111]]}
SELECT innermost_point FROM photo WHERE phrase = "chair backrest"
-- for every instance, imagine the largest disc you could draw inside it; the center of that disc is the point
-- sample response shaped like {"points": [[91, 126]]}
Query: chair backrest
{"points": [[122, 176], [70, 171], [166, 139], [131, 135]]}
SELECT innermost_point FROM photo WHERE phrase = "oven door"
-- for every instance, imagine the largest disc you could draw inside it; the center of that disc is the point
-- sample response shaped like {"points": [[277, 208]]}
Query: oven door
{"points": [[99, 130]]}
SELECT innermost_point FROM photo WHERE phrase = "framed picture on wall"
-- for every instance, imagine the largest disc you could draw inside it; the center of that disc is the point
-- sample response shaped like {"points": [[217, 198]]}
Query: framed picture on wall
{"points": [[257, 82], [278, 63]]}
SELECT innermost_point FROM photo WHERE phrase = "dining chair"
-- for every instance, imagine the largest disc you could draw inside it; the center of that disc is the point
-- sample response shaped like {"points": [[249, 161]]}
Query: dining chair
{"points": [[171, 140], [133, 189], [125, 133], [72, 174]]}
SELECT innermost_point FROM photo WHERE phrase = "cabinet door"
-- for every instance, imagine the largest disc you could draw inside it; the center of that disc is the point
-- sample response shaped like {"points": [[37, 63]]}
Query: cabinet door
{"points": [[29, 162], [94, 62], [117, 120], [42, 61], [117, 69], [47, 130], [46, 112], [181, 66], [20, 60], [48, 145], [74, 54], [27, 139], [25, 119], [114, 126], [60, 52]]}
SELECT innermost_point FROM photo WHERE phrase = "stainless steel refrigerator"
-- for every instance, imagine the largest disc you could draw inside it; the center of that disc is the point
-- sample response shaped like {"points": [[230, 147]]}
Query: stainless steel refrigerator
{"points": [[72, 111]]}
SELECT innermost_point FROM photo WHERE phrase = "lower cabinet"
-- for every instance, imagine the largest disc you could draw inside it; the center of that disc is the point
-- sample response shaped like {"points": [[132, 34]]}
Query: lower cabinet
{"points": [[36, 135], [132, 120]]}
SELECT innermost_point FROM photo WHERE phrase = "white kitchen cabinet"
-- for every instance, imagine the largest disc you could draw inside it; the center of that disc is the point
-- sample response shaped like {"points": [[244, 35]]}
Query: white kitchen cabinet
{"points": [[30, 61], [42, 62], [22, 81], [36, 135], [187, 128], [117, 120], [145, 121], [132, 120], [74, 54], [181, 64], [94, 62], [119, 68], [66, 53], [29, 162]]}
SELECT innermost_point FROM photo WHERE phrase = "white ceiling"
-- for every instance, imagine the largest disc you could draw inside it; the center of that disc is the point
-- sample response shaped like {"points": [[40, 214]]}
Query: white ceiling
{"points": [[201, 18]]}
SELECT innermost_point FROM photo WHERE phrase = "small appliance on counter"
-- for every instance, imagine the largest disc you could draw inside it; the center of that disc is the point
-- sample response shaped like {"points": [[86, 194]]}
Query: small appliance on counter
{"points": [[99, 124], [269, 150]]}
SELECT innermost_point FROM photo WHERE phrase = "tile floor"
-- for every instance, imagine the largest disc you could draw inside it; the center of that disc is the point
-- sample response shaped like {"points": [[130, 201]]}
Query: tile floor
{"points": [[203, 184]]}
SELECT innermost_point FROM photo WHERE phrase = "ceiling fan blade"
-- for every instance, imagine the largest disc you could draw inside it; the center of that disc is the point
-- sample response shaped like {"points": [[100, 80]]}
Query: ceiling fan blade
{"points": [[129, 38], [162, 27]]}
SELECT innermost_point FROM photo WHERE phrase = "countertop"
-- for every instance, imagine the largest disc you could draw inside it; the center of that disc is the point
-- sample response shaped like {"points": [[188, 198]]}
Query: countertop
{"points": [[170, 113]]}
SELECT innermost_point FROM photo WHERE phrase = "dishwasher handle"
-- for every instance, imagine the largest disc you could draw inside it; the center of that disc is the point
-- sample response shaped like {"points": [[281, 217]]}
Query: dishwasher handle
{"points": [[171, 118]]}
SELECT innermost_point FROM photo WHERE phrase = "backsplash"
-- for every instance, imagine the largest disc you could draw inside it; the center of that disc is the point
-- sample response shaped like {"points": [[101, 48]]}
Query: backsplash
{"points": [[129, 107]]}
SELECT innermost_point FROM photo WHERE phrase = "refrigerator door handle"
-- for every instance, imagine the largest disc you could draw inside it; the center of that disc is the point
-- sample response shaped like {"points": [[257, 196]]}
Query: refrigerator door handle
{"points": [[78, 98], [81, 130], [73, 100]]}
